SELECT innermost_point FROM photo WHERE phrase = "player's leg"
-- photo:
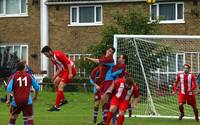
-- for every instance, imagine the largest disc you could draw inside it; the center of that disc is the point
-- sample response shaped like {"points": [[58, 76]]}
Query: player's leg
{"points": [[191, 100], [56, 82], [181, 101], [114, 103], [112, 110], [122, 109], [14, 114], [28, 114], [129, 110], [97, 99]]}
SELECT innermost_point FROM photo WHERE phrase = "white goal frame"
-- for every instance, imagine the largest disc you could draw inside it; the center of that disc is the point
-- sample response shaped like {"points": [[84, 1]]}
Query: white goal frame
{"points": [[174, 37]]}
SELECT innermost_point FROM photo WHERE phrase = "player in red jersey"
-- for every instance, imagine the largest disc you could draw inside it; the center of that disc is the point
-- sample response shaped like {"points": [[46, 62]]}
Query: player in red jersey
{"points": [[123, 90], [20, 87], [187, 83], [64, 74]]}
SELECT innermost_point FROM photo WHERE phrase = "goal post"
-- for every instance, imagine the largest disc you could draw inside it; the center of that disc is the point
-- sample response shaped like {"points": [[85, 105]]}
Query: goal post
{"points": [[153, 62]]}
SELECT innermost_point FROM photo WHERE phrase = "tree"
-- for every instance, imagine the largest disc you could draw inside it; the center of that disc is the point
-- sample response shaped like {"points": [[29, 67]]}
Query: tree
{"points": [[134, 21]]}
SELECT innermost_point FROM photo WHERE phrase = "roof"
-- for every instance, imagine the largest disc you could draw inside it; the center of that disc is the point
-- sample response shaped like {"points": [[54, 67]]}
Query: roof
{"points": [[54, 2]]}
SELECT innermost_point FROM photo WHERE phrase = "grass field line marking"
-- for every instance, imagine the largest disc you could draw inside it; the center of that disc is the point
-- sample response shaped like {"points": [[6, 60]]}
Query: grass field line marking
{"points": [[166, 108]]}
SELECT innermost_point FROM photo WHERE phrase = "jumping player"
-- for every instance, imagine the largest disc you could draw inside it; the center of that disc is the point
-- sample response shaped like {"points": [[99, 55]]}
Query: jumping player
{"points": [[64, 74]]}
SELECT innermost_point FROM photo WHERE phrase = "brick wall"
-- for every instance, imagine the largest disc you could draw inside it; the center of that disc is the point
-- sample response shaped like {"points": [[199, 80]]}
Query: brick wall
{"points": [[25, 30]]}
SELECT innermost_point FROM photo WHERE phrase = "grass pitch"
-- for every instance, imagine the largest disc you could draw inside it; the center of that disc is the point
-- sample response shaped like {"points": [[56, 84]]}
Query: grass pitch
{"points": [[77, 112]]}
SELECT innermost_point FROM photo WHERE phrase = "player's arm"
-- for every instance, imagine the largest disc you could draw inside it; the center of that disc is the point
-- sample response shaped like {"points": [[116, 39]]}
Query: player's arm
{"points": [[9, 90], [136, 96], [176, 84], [93, 59], [116, 73], [194, 83], [36, 87], [111, 88]]}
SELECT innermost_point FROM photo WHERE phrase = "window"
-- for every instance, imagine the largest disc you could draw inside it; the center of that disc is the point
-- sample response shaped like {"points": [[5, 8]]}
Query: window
{"points": [[10, 8], [167, 12], [10, 53], [86, 15]]}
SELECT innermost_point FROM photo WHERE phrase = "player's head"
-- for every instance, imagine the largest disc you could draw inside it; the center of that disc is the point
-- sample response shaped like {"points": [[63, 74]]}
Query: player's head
{"points": [[123, 59], [186, 68], [47, 51], [110, 51], [129, 82], [20, 66]]}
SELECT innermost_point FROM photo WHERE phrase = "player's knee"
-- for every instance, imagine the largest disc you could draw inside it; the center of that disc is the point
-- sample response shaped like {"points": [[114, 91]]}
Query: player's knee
{"points": [[13, 116], [61, 86], [180, 104], [113, 109], [121, 112], [29, 117]]}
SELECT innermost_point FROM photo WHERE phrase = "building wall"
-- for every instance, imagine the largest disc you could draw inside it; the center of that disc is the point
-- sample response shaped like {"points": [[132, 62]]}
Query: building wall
{"points": [[24, 30]]}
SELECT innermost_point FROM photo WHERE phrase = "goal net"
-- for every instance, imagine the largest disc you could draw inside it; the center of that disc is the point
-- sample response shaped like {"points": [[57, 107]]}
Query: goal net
{"points": [[153, 62]]}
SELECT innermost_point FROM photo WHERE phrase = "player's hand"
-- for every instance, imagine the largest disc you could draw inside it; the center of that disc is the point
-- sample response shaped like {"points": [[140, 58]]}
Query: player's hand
{"points": [[34, 99], [8, 102], [135, 106], [97, 87], [173, 93], [70, 76]]}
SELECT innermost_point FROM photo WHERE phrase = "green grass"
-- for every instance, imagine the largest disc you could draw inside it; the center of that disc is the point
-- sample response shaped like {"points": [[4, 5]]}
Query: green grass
{"points": [[77, 112]]}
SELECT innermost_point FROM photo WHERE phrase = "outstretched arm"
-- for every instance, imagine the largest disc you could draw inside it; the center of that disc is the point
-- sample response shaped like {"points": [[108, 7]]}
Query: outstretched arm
{"points": [[93, 60]]}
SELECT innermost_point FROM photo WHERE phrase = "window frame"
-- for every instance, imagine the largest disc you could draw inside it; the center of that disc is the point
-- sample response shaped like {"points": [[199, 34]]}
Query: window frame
{"points": [[167, 21], [77, 23], [21, 45], [14, 15]]}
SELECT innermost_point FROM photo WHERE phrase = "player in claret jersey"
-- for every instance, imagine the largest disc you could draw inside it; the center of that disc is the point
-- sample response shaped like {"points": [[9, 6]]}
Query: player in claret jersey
{"points": [[97, 96], [123, 90], [187, 84], [64, 74], [20, 86]]}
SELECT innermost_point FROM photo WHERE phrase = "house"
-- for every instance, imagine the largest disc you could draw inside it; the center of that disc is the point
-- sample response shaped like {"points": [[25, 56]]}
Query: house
{"points": [[73, 25]]}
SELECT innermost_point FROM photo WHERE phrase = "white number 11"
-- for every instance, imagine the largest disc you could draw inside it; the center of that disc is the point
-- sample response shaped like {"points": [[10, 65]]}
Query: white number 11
{"points": [[21, 80]]}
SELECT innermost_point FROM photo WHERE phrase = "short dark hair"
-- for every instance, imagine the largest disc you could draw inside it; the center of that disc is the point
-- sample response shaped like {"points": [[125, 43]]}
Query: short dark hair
{"points": [[129, 80], [188, 65], [46, 49], [113, 49], [125, 57], [20, 66]]}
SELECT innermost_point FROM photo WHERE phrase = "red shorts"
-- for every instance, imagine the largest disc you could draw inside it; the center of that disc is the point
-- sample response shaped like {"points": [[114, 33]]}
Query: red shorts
{"points": [[120, 104], [64, 75], [190, 99], [105, 86], [97, 96], [26, 109]]}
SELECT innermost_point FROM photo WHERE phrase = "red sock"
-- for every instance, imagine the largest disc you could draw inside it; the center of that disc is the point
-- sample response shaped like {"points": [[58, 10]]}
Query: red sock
{"points": [[109, 117], [12, 121], [58, 98], [62, 96], [30, 122], [120, 120]]}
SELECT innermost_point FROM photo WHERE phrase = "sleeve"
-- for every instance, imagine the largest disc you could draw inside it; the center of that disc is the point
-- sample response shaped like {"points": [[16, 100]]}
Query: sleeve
{"points": [[136, 91], [198, 79], [35, 84], [116, 73], [91, 81], [194, 83], [120, 90], [106, 61], [176, 83], [10, 86]]}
